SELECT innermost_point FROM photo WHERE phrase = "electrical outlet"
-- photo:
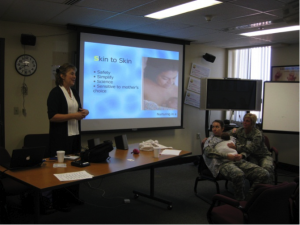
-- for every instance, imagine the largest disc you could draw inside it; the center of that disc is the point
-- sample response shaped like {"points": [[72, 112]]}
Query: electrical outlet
{"points": [[16, 110], [198, 135], [126, 200]]}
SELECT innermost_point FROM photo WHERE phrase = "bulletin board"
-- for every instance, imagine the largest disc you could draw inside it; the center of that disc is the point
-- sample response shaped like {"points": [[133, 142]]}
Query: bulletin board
{"points": [[285, 73]]}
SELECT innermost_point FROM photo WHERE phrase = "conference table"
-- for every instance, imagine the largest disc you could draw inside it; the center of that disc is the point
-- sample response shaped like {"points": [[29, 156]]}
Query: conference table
{"points": [[42, 178]]}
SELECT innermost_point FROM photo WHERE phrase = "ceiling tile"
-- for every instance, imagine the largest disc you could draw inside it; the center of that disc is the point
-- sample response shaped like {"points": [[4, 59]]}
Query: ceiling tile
{"points": [[83, 16], [113, 5], [157, 28], [238, 42], [123, 22], [31, 11], [189, 32], [5, 4], [217, 36], [128, 15], [261, 5]]}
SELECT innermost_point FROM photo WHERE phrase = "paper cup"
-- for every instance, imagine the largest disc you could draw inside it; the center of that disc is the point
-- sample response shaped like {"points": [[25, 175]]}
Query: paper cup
{"points": [[156, 152], [60, 156]]}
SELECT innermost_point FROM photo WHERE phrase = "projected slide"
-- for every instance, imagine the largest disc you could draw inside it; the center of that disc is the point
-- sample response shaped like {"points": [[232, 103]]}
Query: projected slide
{"points": [[129, 82]]}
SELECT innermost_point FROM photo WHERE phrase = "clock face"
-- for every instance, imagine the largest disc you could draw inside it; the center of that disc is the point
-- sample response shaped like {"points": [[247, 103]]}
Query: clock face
{"points": [[26, 65]]}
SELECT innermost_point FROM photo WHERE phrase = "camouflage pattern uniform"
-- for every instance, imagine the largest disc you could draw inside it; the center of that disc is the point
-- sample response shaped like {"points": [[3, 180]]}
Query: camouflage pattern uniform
{"points": [[236, 172], [254, 146]]}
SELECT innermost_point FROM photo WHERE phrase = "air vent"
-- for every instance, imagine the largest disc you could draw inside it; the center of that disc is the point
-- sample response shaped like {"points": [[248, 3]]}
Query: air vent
{"points": [[71, 2], [259, 25]]}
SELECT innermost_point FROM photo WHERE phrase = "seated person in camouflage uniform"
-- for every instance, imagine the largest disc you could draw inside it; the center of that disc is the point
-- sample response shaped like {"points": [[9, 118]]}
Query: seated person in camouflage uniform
{"points": [[233, 167], [250, 141]]}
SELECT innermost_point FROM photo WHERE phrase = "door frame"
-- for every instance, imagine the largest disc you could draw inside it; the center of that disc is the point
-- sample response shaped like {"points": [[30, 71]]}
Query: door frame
{"points": [[2, 123]]}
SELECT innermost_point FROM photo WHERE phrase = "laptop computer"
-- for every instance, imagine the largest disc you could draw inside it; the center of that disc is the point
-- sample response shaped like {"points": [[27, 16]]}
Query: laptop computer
{"points": [[22, 158]]}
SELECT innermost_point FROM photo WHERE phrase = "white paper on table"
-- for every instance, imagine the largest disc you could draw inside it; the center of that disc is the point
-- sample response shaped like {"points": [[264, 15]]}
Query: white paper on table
{"points": [[73, 176], [170, 152], [57, 165]]}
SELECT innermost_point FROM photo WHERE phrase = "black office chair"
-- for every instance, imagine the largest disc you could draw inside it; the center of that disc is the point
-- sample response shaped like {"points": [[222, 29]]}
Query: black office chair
{"points": [[8, 187], [294, 202], [270, 204], [205, 174], [37, 140]]}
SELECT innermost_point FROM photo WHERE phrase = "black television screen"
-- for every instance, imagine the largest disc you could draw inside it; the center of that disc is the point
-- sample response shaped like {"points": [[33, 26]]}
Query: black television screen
{"points": [[126, 85], [230, 94]]}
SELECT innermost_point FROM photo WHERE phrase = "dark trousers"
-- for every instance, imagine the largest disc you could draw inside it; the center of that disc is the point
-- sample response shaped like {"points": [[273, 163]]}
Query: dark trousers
{"points": [[69, 144], [73, 145]]}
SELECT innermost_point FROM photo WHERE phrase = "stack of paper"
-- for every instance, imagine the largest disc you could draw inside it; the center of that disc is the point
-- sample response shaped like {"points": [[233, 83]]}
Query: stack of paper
{"points": [[170, 152], [71, 157], [73, 176]]}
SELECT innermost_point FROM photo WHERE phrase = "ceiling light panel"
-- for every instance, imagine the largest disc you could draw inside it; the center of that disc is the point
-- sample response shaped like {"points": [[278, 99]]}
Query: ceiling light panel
{"points": [[183, 8], [272, 31]]}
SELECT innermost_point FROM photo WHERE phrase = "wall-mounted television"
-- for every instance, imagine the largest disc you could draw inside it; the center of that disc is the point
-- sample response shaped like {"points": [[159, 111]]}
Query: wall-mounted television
{"points": [[230, 94], [129, 82]]}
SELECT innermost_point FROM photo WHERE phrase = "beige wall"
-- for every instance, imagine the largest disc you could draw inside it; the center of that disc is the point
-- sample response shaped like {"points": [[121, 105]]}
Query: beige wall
{"points": [[53, 45], [56, 45]]}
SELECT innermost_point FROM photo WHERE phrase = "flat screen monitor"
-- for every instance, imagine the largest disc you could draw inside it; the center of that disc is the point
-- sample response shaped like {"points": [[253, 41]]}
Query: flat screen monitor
{"points": [[130, 83], [230, 94]]}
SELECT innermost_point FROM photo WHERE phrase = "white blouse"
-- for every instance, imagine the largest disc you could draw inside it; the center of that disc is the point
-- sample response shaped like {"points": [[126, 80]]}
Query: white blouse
{"points": [[73, 128]]}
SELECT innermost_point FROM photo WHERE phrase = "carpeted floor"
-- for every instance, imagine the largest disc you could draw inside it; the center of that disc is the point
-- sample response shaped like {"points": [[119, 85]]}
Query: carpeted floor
{"points": [[104, 199]]}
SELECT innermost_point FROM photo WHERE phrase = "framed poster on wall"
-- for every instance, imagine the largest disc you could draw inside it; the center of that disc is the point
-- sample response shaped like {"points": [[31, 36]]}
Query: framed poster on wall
{"points": [[285, 73]]}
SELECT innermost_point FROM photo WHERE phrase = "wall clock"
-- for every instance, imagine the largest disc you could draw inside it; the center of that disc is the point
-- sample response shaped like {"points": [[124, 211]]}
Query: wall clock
{"points": [[25, 65]]}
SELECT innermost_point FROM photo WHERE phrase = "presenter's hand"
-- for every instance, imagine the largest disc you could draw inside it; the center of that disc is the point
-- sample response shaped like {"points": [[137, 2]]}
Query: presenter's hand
{"points": [[204, 140], [78, 115], [85, 112], [81, 114]]}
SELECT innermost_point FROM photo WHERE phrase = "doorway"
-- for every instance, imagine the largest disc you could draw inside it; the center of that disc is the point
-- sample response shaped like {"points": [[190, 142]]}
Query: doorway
{"points": [[2, 131]]}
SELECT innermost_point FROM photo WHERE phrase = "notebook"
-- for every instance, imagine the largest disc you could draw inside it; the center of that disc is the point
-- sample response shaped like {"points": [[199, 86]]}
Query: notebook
{"points": [[22, 158]]}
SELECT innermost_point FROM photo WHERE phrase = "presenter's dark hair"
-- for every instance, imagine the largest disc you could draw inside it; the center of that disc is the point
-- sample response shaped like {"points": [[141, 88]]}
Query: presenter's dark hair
{"points": [[156, 66], [63, 70], [220, 122]]}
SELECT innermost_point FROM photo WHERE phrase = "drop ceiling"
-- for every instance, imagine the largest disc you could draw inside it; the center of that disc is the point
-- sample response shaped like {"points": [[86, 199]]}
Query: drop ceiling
{"points": [[227, 20]]}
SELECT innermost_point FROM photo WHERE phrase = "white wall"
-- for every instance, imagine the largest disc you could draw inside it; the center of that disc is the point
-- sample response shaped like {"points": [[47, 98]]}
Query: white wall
{"points": [[55, 46], [287, 144]]}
